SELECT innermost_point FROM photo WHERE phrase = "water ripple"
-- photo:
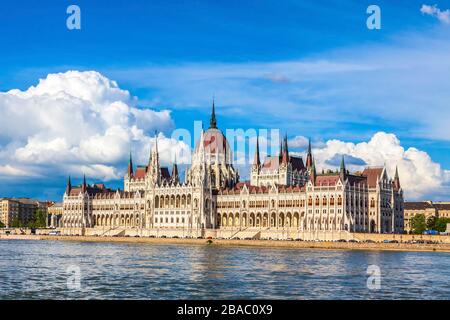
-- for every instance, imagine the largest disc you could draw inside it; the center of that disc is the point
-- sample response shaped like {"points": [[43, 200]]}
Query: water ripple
{"points": [[37, 270]]}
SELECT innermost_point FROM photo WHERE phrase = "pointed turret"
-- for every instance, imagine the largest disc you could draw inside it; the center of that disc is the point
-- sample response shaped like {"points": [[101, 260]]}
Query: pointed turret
{"points": [[153, 168], [69, 186], [213, 122], [130, 167], [342, 172], [175, 177], [84, 185], [285, 157], [281, 150], [396, 179], [309, 160], [256, 160]]}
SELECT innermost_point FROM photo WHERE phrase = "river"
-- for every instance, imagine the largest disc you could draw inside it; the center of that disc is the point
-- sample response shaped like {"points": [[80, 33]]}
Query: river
{"points": [[87, 270]]}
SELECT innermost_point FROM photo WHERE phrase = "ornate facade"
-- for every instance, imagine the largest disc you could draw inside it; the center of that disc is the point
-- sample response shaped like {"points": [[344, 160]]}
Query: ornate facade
{"points": [[284, 193]]}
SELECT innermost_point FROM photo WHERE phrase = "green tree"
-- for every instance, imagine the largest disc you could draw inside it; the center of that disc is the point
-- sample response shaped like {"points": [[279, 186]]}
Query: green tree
{"points": [[16, 223], [2, 225], [431, 222], [418, 224], [441, 224], [40, 219], [37, 220]]}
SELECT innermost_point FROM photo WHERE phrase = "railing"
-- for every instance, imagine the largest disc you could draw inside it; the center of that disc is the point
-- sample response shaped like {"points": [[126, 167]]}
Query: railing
{"points": [[109, 230], [234, 234]]}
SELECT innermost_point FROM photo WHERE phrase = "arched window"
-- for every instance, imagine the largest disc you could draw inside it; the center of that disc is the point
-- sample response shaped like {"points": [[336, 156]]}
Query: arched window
{"points": [[324, 201], [166, 202], [310, 201], [332, 201], [317, 201], [339, 201]]}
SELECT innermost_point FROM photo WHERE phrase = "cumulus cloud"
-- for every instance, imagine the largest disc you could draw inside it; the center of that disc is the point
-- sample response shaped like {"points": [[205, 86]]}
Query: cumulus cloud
{"points": [[10, 171], [299, 142], [419, 175], [74, 123], [434, 11]]}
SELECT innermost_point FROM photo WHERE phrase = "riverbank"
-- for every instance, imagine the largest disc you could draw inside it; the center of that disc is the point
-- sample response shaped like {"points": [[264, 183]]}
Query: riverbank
{"points": [[286, 244]]}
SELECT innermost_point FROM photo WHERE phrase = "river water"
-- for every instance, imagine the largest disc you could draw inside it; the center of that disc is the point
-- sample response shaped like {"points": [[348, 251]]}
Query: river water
{"points": [[83, 270]]}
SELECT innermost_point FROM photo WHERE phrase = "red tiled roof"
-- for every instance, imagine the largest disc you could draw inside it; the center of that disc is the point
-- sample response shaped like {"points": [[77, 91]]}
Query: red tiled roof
{"points": [[271, 163], [140, 172], [327, 180], [372, 174]]}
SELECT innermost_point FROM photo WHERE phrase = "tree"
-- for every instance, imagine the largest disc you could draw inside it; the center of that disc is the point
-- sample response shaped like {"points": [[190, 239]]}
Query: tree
{"points": [[431, 222], [441, 224], [2, 225], [418, 224], [16, 223], [40, 219]]}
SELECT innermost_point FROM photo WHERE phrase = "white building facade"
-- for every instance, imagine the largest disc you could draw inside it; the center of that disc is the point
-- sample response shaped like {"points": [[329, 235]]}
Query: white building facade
{"points": [[284, 194]]}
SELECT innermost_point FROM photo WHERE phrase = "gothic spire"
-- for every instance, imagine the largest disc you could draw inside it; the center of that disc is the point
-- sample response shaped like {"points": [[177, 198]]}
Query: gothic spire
{"points": [[84, 186], [154, 155], [69, 186], [396, 179], [281, 149], [286, 144], [213, 122], [257, 161], [309, 159], [342, 171], [130, 166], [285, 158]]}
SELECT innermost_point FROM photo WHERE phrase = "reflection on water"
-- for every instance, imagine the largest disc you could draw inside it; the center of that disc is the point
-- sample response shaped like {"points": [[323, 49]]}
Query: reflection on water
{"points": [[37, 270]]}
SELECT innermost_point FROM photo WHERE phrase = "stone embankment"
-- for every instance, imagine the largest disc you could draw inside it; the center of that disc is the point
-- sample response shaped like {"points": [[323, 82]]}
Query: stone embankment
{"points": [[286, 244]]}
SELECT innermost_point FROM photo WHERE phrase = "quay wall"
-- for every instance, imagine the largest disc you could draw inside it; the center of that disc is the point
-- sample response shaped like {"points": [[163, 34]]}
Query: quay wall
{"points": [[233, 234]]}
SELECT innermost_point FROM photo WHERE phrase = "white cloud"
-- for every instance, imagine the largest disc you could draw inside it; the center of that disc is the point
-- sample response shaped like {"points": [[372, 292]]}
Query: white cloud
{"points": [[299, 142], [419, 175], [10, 171], [76, 122], [434, 11]]}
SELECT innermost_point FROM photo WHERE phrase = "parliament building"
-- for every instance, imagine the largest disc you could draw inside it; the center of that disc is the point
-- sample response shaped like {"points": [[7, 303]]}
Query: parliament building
{"points": [[286, 198]]}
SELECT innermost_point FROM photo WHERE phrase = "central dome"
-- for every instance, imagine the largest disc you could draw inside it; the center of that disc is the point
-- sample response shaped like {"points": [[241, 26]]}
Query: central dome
{"points": [[213, 143]]}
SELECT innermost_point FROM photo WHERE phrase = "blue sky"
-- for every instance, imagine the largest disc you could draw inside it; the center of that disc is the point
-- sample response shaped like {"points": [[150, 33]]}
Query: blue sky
{"points": [[311, 69]]}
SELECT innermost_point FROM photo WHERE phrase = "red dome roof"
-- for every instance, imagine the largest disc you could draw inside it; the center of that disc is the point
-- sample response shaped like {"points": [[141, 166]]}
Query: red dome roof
{"points": [[214, 142]]}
